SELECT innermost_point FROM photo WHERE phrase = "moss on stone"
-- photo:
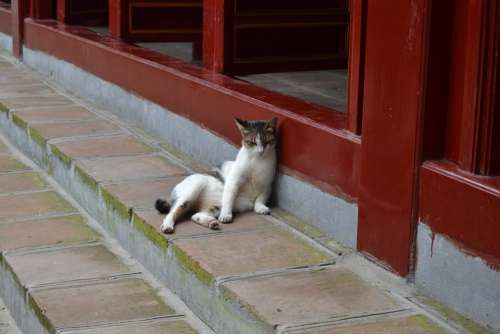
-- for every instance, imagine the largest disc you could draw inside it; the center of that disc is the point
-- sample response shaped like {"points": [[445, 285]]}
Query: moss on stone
{"points": [[115, 204], [150, 232], [86, 179], [40, 314], [19, 122], [3, 108], [426, 324], [60, 154], [193, 266], [453, 316], [38, 137], [308, 230]]}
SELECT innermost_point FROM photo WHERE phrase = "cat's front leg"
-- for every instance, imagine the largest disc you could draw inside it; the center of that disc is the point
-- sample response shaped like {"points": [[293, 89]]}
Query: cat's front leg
{"points": [[229, 193], [260, 203]]}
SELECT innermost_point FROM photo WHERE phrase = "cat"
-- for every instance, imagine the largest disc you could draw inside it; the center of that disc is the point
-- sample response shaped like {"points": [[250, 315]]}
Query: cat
{"points": [[241, 185]]}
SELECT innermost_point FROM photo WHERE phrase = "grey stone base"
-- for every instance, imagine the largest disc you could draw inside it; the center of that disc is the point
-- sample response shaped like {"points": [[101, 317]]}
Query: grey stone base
{"points": [[332, 215], [6, 43], [464, 282]]}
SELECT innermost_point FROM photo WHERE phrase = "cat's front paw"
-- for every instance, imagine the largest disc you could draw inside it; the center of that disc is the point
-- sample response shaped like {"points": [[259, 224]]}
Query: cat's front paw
{"points": [[166, 228], [225, 218], [261, 209]]}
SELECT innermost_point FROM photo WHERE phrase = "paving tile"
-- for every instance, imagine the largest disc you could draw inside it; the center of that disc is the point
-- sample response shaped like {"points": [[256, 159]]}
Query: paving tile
{"points": [[111, 301], [25, 90], [45, 232], [35, 101], [32, 205], [416, 324], [3, 148], [118, 169], [143, 194], [151, 220], [61, 130], [56, 114], [17, 78], [156, 327], [103, 146], [51, 266], [9, 164], [328, 293], [22, 182], [250, 252]]}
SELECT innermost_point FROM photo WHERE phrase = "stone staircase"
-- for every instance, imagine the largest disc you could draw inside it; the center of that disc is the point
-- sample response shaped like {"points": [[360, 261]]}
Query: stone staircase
{"points": [[260, 274]]}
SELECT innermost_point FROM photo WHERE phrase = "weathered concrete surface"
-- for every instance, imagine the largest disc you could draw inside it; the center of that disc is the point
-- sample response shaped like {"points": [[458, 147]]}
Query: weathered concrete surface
{"points": [[33, 205], [119, 169], [80, 128], [152, 327], [464, 282], [46, 232], [310, 296], [103, 146], [56, 114], [65, 264], [17, 182], [106, 302], [416, 324], [7, 325], [10, 164]]}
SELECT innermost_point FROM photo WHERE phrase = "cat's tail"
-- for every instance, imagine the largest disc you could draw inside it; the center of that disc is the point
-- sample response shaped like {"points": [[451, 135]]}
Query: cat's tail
{"points": [[162, 206]]}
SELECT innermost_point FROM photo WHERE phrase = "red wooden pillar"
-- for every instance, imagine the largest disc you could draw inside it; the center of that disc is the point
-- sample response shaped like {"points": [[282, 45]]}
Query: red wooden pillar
{"points": [[357, 32], [62, 11], [118, 16], [392, 112], [20, 9], [216, 17]]}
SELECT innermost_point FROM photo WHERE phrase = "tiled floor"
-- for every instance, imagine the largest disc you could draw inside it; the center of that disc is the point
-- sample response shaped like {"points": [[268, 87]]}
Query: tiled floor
{"points": [[326, 88]]}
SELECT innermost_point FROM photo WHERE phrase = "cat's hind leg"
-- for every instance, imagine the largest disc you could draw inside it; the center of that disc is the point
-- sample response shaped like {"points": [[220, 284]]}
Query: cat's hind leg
{"points": [[205, 219], [185, 197]]}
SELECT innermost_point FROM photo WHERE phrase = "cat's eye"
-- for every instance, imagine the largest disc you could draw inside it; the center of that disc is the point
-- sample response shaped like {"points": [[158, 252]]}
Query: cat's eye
{"points": [[250, 143]]}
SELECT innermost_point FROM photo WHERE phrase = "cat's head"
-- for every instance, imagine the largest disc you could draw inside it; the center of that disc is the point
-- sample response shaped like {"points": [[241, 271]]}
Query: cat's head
{"points": [[258, 136]]}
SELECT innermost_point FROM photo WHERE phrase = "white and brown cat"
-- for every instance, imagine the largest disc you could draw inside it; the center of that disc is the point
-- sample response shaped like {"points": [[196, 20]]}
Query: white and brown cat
{"points": [[240, 185]]}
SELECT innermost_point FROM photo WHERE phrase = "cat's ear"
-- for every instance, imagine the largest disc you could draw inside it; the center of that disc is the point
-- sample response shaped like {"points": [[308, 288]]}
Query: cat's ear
{"points": [[242, 125], [272, 125]]}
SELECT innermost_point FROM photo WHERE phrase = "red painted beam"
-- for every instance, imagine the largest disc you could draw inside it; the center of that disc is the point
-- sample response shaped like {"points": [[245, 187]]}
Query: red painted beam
{"points": [[42, 9], [393, 104], [215, 29], [462, 206], [20, 9], [5, 19], [314, 145]]}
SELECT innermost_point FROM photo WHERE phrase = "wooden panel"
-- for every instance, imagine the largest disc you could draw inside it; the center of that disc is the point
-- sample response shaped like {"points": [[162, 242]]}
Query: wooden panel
{"points": [[284, 36], [394, 81], [462, 206], [5, 19], [83, 12], [158, 20], [19, 11], [43, 9]]}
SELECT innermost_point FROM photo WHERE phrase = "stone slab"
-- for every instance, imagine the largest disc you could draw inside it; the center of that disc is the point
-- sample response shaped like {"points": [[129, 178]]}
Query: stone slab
{"points": [[250, 252], [45, 232], [35, 102], [143, 194], [416, 324], [56, 114], [117, 169], [107, 302], [328, 293], [25, 90], [66, 264], [10, 164], [22, 182], [81, 128], [156, 327], [103, 146], [17, 78], [3, 148], [186, 228], [33, 205]]}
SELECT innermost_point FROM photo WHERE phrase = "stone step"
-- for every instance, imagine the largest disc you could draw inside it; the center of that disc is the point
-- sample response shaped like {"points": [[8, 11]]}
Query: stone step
{"points": [[58, 274], [256, 275]]}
